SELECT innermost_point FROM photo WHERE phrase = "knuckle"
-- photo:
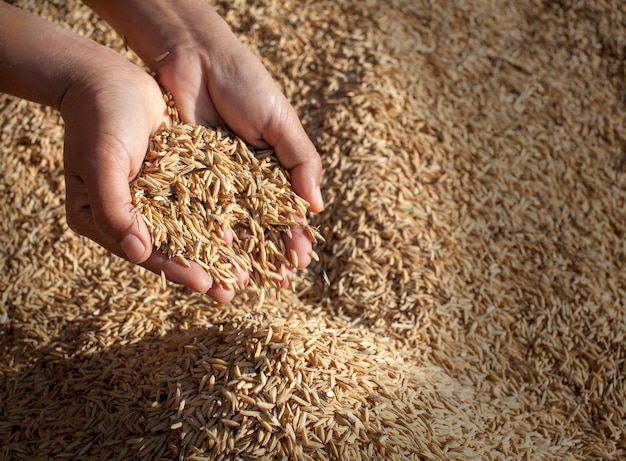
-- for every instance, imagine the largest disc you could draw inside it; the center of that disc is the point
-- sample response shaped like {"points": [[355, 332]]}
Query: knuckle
{"points": [[75, 218], [111, 221], [72, 223]]}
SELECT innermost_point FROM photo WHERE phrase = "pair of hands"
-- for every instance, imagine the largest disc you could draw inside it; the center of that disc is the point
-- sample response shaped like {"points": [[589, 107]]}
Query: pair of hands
{"points": [[111, 111]]}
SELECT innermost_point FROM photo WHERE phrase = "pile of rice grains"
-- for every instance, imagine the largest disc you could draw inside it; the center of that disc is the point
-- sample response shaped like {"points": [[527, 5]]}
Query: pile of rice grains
{"points": [[468, 302], [197, 182]]}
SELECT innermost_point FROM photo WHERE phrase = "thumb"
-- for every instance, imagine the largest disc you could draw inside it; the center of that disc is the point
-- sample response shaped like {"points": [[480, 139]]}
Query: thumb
{"points": [[114, 213]]}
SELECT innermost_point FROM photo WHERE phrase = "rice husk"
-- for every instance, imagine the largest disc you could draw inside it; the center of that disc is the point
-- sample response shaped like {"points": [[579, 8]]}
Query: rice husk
{"points": [[197, 183], [469, 296]]}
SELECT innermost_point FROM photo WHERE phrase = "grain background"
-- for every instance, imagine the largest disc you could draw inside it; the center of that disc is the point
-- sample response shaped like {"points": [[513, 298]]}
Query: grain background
{"points": [[469, 301]]}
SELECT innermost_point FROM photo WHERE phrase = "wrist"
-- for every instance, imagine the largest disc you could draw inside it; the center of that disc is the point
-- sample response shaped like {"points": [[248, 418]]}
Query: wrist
{"points": [[155, 30]]}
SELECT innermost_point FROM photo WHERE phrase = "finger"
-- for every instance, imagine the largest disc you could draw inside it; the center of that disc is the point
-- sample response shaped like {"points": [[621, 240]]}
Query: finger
{"points": [[228, 236], [192, 276], [286, 271], [299, 243], [80, 216], [113, 210], [80, 219], [77, 210], [296, 153], [224, 295], [189, 91]]}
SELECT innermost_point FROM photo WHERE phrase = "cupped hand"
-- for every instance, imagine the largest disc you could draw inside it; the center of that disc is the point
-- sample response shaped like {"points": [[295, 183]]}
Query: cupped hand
{"points": [[217, 81], [110, 113]]}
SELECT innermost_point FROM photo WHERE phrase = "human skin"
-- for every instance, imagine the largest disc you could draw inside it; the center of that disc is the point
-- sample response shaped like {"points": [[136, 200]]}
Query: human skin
{"points": [[110, 107]]}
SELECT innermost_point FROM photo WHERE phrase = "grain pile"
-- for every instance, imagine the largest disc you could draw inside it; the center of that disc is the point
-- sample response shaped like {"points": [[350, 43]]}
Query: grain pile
{"points": [[244, 389], [197, 183], [469, 302]]}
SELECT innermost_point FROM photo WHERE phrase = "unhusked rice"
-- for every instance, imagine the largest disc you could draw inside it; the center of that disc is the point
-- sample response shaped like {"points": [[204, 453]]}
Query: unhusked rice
{"points": [[197, 183], [469, 299]]}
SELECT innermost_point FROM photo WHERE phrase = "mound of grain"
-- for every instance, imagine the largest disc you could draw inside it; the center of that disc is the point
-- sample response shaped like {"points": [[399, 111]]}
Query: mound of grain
{"points": [[475, 190], [198, 183], [255, 388]]}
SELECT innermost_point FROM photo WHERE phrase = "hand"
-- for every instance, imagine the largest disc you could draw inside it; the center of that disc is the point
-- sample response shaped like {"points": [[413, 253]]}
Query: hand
{"points": [[215, 81], [110, 108], [110, 113]]}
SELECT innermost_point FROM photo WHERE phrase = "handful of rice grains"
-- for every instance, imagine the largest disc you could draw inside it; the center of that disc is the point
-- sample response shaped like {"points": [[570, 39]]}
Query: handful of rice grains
{"points": [[197, 183]]}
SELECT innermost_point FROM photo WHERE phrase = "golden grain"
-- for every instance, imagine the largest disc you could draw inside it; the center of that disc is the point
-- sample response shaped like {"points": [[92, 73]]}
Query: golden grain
{"points": [[468, 301], [192, 167]]}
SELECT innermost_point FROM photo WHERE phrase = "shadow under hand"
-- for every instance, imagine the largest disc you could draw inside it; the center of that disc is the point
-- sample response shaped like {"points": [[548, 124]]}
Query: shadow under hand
{"points": [[256, 387]]}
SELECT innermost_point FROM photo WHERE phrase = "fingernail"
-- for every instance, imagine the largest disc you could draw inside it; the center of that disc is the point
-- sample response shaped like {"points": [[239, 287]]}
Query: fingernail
{"points": [[318, 197], [133, 248]]}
